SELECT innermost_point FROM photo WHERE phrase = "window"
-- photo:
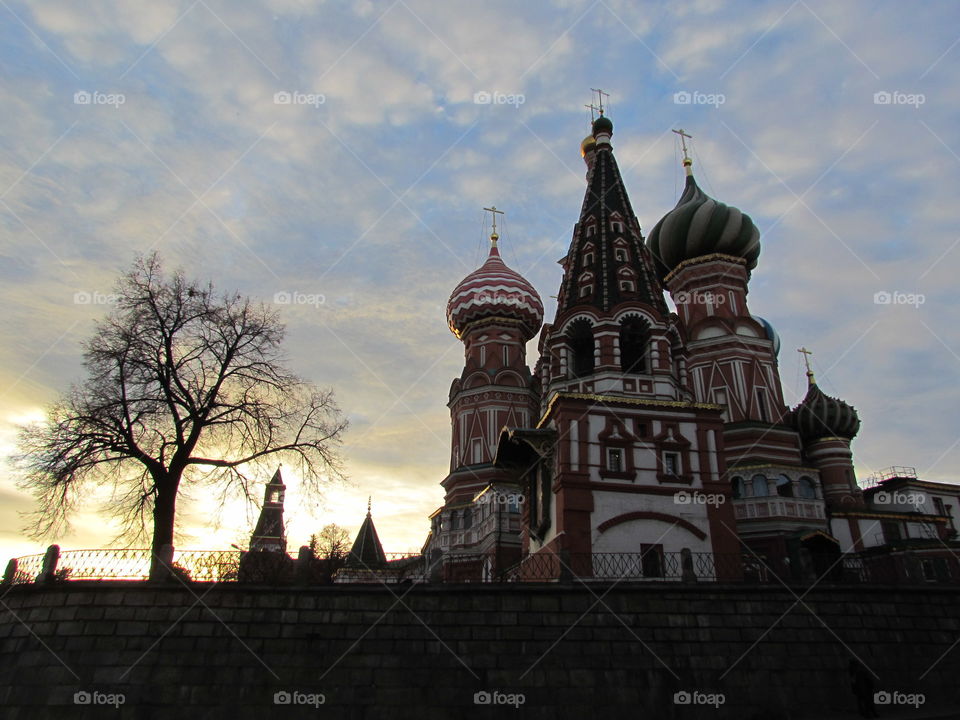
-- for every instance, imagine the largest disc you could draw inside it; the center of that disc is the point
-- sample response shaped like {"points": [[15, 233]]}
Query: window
{"points": [[784, 486], [274, 496], [939, 507], [738, 489], [615, 460], [626, 285], [616, 226], [591, 230], [891, 530], [671, 463], [720, 398], [586, 290], [633, 345], [759, 486], [506, 356], [477, 451], [483, 355], [621, 255], [808, 489], [467, 519], [651, 560], [581, 344], [588, 259], [762, 404]]}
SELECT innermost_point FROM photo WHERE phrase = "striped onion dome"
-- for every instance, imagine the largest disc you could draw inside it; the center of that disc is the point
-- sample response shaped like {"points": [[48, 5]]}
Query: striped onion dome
{"points": [[494, 290], [700, 225]]}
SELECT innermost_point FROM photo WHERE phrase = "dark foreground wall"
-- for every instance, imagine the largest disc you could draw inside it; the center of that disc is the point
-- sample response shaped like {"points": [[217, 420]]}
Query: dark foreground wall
{"points": [[610, 651]]}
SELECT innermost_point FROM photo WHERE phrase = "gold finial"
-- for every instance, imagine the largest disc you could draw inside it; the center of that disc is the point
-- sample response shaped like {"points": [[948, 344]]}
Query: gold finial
{"points": [[493, 235], [369, 500], [806, 359], [687, 162]]}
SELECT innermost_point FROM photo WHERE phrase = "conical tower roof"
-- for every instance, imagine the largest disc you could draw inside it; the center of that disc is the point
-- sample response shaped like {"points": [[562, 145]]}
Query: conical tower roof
{"points": [[367, 552], [607, 245]]}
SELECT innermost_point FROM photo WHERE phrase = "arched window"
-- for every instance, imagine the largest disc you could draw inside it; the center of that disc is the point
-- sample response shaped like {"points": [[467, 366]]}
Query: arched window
{"points": [[760, 486], [784, 486], [738, 490], [581, 346], [808, 489], [621, 255], [633, 345]]}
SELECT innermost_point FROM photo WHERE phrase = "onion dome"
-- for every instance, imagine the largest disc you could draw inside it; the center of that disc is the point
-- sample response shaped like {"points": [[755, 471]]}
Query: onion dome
{"points": [[819, 416], [772, 335], [700, 225], [602, 126], [494, 290], [588, 145]]}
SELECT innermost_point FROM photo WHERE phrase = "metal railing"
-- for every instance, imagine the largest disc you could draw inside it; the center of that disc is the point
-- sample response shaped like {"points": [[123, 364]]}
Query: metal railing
{"points": [[281, 569]]}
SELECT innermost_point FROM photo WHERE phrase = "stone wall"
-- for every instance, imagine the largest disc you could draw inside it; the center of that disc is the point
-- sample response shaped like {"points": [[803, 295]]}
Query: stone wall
{"points": [[225, 651]]}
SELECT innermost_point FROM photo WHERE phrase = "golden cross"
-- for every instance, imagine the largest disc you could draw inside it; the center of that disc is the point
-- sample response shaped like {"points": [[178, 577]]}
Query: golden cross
{"points": [[683, 139], [806, 359], [593, 111], [600, 95], [493, 211]]}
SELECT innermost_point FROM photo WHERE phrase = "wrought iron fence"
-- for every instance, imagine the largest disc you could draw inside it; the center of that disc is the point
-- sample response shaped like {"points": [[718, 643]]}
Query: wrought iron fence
{"points": [[239, 566]]}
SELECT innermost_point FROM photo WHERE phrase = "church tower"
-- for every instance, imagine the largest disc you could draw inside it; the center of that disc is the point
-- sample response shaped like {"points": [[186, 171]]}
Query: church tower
{"points": [[623, 458], [494, 312], [269, 533]]}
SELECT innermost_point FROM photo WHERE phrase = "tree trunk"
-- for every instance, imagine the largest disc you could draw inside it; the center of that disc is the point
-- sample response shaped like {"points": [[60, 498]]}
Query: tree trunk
{"points": [[164, 514]]}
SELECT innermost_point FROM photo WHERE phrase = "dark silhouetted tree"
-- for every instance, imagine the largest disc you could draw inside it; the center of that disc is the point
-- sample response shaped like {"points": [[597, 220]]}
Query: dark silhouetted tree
{"points": [[185, 388]]}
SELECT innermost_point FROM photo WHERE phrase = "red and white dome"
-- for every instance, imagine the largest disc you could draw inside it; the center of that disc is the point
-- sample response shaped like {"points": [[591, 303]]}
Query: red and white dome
{"points": [[494, 290]]}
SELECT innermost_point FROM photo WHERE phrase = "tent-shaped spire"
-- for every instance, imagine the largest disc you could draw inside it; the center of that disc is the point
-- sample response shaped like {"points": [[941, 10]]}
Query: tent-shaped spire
{"points": [[367, 552], [608, 262], [269, 533]]}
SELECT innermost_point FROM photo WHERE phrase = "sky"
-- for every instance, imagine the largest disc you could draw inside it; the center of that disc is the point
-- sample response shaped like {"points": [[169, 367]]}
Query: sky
{"points": [[340, 153]]}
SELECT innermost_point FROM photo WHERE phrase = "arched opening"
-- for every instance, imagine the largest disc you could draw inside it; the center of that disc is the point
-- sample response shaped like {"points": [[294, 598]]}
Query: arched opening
{"points": [[738, 491], [633, 345], [760, 486], [808, 490], [580, 337], [784, 486]]}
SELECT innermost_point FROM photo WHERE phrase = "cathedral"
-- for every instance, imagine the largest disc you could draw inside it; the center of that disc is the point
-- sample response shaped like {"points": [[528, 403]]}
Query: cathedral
{"points": [[644, 441], [647, 443]]}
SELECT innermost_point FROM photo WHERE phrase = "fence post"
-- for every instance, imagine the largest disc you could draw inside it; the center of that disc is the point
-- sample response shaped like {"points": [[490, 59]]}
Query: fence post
{"points": [[566, 573], [10, 574], [687, 573], [49, 568]]}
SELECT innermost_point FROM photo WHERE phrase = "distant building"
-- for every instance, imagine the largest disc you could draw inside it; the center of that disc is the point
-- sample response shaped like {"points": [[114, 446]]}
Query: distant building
{"points": [[367, 562], [269, 534]]}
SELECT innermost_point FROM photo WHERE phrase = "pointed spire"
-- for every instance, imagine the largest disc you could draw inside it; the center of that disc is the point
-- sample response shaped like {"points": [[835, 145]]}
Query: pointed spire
{"points": [[367, 552], [607, 262]]}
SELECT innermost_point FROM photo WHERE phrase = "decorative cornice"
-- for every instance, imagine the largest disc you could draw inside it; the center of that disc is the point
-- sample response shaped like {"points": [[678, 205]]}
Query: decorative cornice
{"points": [[702, 259], [617, 399]]}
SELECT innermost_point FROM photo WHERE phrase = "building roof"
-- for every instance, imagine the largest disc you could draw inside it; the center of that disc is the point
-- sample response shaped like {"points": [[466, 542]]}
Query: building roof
{"points": [[592, 258], [367, 552]]}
